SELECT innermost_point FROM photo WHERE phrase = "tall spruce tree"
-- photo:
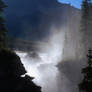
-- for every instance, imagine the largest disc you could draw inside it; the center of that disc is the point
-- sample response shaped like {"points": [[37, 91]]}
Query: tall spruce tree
{"points": [[89, 32], [3, 30], [86, 84], [84, 26], [85, 15]]}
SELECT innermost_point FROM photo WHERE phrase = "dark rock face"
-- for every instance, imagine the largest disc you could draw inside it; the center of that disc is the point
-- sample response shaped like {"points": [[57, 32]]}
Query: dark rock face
{"points": [[18, 85], [11, 70], [33, 19]]}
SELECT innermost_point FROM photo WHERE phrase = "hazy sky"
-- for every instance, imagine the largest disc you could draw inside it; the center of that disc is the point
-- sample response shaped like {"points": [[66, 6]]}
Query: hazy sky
{"points": [[76, 3]]}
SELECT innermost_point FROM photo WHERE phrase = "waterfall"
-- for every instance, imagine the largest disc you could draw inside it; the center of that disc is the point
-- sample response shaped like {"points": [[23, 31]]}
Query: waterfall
{"points": [[43, 64]]}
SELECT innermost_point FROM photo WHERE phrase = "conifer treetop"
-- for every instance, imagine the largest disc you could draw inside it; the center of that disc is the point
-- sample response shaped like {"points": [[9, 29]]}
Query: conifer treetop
{"points": [[2, 5]]}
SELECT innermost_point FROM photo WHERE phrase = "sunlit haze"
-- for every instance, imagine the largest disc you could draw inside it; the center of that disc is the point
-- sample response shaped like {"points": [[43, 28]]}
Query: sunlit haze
{"points": [[43, 67]]}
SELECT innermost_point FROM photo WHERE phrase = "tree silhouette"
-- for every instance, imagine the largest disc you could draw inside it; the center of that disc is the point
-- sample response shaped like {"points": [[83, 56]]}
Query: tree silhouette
{"points": [[86, 24], [86, 84], [85, 15], [3, 30]]}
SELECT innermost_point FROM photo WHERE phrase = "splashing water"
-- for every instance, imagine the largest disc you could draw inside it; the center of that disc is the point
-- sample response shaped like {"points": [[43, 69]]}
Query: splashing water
{"points": [[43, 66]]}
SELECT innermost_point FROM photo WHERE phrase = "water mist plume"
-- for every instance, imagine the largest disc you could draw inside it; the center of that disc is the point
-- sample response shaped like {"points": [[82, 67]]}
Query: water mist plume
{"points": [[44, 68]]}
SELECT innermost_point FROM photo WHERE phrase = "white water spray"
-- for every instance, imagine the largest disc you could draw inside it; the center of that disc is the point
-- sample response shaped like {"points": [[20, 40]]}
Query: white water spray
{"points": [[43, 66]]}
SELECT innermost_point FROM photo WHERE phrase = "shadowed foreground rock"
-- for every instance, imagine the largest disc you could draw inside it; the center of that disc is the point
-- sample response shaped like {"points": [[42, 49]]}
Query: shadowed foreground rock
{"points": [[11, 70]]}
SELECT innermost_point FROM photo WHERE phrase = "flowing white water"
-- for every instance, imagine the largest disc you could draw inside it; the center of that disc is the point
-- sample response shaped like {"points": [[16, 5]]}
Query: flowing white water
{"points": [[43, 65]]}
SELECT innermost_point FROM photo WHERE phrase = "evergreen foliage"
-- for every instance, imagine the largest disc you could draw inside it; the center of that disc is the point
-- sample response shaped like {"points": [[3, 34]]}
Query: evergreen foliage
{"points": [[85, 12], [86, 84], [85, 17], [3, 30], [86, 23]]}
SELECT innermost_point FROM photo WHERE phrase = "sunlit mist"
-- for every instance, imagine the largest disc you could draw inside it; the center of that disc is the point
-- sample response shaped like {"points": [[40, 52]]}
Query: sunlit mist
{"points": [[43, 66]]}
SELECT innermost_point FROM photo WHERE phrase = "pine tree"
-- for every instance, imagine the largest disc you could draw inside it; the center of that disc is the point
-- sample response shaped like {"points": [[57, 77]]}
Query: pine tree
{"points": [[86, 24], [84, 27], [86, 84], [85, 14], [89, 32], [3, 30]]}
